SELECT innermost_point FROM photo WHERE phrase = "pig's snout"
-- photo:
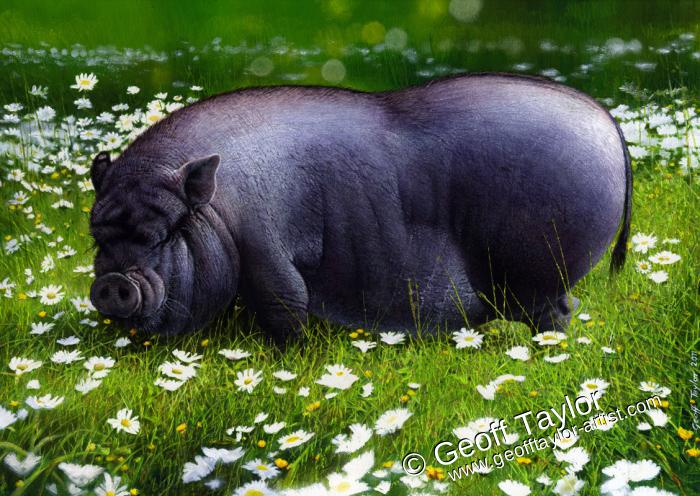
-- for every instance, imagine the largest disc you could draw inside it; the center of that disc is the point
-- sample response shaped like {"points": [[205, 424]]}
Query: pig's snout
{"points": [[116, 295]]}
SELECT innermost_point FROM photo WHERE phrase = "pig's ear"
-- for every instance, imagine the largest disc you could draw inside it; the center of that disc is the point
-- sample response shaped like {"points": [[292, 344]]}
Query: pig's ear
{"points": [[198, 179], [99, 166]]}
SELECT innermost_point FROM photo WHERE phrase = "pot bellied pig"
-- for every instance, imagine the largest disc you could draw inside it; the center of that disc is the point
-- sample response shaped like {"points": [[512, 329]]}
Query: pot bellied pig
{"points": [[460, 201]]}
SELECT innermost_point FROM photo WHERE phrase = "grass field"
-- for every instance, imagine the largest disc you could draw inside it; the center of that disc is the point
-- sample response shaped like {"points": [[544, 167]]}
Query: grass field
{"points": [[636, 334]]}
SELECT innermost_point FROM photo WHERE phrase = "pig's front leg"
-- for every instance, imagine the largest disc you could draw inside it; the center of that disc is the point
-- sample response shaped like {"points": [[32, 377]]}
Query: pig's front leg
{"points": [[277, 295]]}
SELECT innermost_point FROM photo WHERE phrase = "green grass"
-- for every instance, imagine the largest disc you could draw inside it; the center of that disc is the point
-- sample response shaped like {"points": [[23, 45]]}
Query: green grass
{"points": [[653, 328]]}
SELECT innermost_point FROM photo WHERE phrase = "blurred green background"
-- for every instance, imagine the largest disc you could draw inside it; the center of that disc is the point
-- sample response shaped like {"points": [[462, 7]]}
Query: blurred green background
{"points": [[224, 44]]}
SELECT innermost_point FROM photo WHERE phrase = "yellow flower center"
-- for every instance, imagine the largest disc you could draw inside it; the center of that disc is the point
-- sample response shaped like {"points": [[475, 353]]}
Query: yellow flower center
{"points": [[592, 385], [22, 366], [253, 492], [51, 294], [264, 468], [340, 373], [247, 380], [469, 338], [548, 338], [343, 486], [126, 422], [293, 439], [99, 366], [176, 370]]}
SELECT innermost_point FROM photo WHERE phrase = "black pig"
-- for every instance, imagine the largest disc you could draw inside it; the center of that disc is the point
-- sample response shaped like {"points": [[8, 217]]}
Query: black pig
{"points": [[466, 199]]}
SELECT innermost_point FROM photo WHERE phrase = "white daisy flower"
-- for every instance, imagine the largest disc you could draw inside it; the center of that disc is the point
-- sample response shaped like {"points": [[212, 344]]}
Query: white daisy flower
{"points": [[467, 338], [294, 439], [7, 418], [168, 384], [66, 356], [39, 328], [359, 436], [284, 375], [274, 428], [186, 357], [247, 380], [80, 475], [519, 353], [338, 377], [177, 370], [557, 358], [549, 338], [46, 402], [24, 467], [255, 488], [364, 346], [659, 277], [642, 243], [99, 367], [201, 468], [514, 488], [391, 421], [392, 338], [664, 258], [51, 294], [569, 485], [87, 385], [125, 422], [23, 365], [262, 469], [234, 354], [367, 390], [85, 82]]}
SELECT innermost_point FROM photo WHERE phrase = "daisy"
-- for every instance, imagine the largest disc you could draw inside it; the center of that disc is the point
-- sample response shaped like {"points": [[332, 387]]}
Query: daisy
{"points": [[247, 380], [584, 317], [234, 354], [642, 242], [111, 487], [274, 428], [338, 377], [475, 427], [590, 386], [467, 338], [644, 426], [643, 267], [83, 305], [132, 90], [24, 467], [152, 116], [519, 353], [544, 480], [177, 370], [45, 113], [664, 258], [122, 342], [304, 392], [223, 455], [392, 338], [23, 365], [125, 422], [279, 390], [658, 417], [201, 468], [99, 367], [284, 375], [263, 470], [294, 439], [51, 294], [255, 488], [260, 417], [660, 276], [84, 82], [364, 346], [569, 485], [584, 340], [66, 356], [69, 341], [391, 421], [7, 418], [46, 402], [34, 384], [563, 441], [359, 436], [367, 390], [549, 338], [87, 385], [514, 488], [39, 328], [557, 358], [187, 357], [576, 458], [168, 384], [80, 475]]}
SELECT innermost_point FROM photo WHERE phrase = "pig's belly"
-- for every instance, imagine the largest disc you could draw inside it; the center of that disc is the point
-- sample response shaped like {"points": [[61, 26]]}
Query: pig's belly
{"points": [[423, 287]]}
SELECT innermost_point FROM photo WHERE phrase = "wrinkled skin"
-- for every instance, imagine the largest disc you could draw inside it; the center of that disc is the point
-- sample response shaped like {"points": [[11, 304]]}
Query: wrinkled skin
{"points": [[468, 199]]}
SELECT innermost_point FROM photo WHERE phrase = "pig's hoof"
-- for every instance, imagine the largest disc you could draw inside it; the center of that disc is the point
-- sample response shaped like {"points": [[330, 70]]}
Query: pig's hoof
{"points": [[555, 317]]}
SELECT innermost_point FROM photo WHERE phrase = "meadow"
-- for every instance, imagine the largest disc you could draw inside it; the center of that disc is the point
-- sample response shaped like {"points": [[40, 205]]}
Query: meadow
{"points": [[87, 407]]}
